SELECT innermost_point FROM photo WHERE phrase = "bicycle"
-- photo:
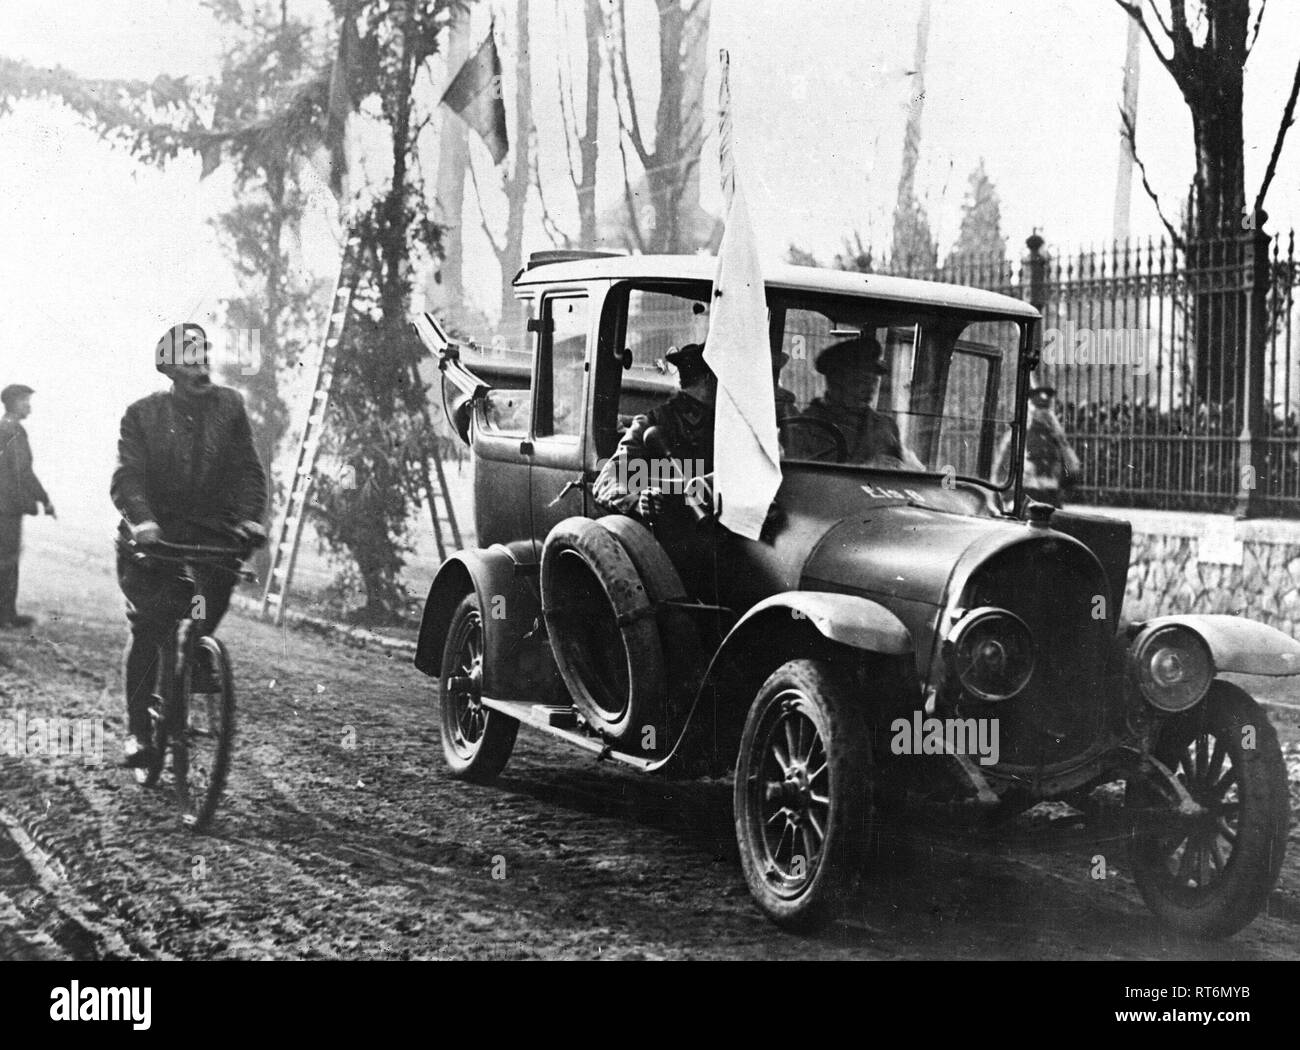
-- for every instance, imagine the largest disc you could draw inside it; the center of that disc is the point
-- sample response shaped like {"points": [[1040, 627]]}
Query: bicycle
{"points": [[199, 736]]}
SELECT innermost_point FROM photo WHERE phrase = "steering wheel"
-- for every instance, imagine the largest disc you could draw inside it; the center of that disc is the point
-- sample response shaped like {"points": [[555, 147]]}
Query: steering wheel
{"points": [[840, 443]]}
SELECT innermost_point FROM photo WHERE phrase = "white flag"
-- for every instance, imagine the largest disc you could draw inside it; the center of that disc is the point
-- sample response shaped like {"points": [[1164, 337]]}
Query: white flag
{"points": [[746, 451]]}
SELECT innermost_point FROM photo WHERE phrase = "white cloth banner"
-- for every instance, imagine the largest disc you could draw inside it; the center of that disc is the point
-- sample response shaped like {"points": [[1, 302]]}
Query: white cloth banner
{"points": [[746, 451]]}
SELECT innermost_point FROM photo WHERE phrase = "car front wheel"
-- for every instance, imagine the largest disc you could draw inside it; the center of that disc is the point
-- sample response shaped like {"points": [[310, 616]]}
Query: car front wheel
{"points": [[803, 794], [476, 741], [1208, 874]]}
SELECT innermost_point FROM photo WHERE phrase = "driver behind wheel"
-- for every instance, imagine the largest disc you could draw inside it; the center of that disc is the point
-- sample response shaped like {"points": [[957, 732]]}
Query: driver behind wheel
{"points": [[853, 368], [685, 422], [187, 472]]}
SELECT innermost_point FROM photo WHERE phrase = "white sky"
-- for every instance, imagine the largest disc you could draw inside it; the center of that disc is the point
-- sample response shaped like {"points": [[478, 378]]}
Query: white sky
{"points": [[100, 253]]}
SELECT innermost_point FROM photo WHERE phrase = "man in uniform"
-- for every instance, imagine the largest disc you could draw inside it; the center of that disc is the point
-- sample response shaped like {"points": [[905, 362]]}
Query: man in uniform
{"points": [[685, 425], [1051, 465], [853, 368], [20, 492]]}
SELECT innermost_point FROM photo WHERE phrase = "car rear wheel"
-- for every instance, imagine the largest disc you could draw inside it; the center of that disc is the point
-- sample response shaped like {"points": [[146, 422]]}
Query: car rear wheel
{"points": [[803, 794], [1209, 875], [476, 741]]}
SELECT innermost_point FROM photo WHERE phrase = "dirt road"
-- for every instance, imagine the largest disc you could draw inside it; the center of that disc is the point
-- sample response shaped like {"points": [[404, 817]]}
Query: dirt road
{"points": [[342, 837]]}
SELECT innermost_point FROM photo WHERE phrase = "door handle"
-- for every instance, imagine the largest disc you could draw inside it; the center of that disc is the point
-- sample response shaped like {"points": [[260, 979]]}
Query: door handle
{"points": [[580, 483]]}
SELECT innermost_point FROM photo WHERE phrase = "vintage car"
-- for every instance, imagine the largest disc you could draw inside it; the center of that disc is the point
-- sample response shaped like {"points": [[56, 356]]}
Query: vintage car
{"points": [[907, 628]]}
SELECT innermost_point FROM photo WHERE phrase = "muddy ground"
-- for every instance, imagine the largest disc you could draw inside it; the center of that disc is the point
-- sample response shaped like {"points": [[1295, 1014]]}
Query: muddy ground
{"points": [[341, 836]]}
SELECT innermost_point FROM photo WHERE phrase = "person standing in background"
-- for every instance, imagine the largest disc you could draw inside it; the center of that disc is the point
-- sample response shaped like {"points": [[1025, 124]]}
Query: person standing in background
{"points": [[1051, 466], [20, 492]]}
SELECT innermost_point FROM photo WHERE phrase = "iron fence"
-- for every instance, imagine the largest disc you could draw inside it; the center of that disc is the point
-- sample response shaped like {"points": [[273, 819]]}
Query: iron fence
{"points": [[1175, 367]]}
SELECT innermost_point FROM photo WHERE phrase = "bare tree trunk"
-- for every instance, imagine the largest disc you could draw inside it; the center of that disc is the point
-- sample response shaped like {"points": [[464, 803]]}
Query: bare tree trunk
{"points": [[516, 184], [588, 143], [1211, 77]]}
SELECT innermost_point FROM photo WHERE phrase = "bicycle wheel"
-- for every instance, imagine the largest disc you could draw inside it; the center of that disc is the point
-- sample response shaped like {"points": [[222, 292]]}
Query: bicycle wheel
{"points": [[203, 736]]}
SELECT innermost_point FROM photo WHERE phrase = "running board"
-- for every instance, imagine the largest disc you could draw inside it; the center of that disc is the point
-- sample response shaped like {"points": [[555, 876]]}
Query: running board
{"points": [[538, 716]]}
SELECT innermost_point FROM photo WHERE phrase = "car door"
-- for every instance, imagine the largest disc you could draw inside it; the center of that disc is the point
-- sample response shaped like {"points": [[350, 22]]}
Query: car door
{"points": [[557, 478], [500, 437]]}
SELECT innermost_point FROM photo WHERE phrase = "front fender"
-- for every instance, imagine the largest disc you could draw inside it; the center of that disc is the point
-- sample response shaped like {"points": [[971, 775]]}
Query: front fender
{"points": [[516, 661], [847, 619], [788, 626], [1239, 645]]}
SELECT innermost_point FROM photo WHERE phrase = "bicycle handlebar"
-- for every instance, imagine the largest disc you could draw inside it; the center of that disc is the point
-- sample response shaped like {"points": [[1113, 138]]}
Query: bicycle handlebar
{"points": [[192, 548], [185, 553]]}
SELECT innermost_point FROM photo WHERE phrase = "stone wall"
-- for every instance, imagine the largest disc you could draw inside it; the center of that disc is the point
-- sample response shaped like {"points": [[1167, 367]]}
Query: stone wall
{"points": [[1210, 563]]}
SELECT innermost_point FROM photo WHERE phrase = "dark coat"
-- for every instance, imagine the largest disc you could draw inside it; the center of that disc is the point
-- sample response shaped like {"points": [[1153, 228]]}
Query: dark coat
{"points": [[687, 426], [869, 433], [19, 489], [188, 460]]}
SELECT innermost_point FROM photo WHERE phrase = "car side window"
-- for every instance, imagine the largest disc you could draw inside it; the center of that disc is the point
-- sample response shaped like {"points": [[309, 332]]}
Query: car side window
{"points": [[657, 321], [558, 392], [507, 364]]}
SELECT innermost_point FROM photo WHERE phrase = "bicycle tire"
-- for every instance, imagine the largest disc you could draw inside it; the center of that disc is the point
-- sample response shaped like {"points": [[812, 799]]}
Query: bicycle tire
{"points": [[204, 739]]}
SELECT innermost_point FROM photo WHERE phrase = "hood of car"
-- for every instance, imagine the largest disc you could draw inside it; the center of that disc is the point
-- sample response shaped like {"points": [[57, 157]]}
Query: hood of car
{"points": [[903, 552]]}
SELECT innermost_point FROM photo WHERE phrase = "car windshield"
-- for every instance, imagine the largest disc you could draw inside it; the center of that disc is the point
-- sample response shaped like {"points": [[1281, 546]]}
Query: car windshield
{"points": [[896, 387]]}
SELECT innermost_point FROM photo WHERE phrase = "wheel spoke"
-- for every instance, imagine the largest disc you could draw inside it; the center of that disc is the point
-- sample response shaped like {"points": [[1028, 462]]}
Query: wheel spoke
{"points": [[792, 745], [782, 759], [813, 848], [819, 771], [1216, 759], [814, 744], [816, 827], [1200, 773], [821, 800], [1225, 782], [787, 827]]}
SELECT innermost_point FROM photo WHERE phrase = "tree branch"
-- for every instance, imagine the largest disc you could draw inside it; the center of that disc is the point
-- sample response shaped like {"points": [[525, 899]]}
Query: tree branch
{"points": [[1259, 18], [497, 249], [1288, 118], [634, 225], [638, 143], [564, 123], [549, 225], [1135, 12], [1155, 10], [1130, 136]]}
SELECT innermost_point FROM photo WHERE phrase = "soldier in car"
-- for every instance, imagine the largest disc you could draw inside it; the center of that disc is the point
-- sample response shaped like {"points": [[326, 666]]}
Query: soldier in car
{"points": [[685, 425], [853, 368]]}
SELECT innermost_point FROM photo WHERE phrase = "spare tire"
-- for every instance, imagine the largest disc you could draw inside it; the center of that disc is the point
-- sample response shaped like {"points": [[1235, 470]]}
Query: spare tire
{"points": [[679, 633], [601, 620]]}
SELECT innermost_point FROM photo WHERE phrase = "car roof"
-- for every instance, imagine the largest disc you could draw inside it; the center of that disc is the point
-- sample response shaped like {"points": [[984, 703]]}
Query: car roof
{"points": [[784, 276]]}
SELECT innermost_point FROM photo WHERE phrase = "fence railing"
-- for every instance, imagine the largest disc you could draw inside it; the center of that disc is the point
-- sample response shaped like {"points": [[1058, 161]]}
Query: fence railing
{"points": [[1176, 369]]}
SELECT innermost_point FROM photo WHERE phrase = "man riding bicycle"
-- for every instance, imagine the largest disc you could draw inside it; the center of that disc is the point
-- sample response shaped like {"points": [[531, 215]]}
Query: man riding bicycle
{"points": [[187, 472]]}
